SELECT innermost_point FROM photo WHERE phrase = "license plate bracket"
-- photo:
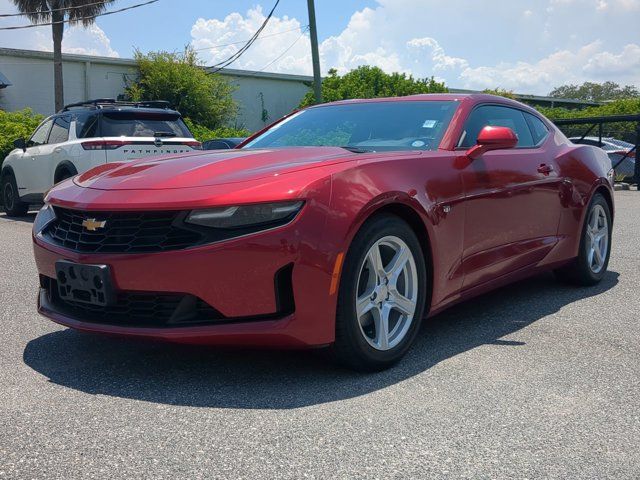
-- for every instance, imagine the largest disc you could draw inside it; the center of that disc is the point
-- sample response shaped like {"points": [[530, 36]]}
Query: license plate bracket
{"points": [[90, 284]]}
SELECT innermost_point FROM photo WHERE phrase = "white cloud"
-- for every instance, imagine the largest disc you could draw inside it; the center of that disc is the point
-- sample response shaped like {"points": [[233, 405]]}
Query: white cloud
{"points": [[590, 62], [441, 61], [607, 63], [87, 41], [235, 29], [77, 39], [496, 45]]}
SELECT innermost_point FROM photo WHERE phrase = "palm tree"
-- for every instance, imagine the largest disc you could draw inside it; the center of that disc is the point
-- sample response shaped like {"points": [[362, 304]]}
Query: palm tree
{"points": [[57, 12]]}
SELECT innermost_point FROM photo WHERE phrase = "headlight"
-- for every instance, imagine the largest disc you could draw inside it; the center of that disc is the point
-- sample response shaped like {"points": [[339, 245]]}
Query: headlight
{"points": [[243, 216], [45, 216], [611, 176]]}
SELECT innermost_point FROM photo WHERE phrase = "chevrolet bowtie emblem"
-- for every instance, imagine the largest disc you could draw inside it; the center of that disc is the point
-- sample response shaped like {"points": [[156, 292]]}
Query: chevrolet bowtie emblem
{"points": [[92, 224]]}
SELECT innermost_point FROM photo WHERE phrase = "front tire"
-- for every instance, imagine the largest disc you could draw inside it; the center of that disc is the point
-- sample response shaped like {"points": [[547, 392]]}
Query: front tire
{"points": [[590, 267], [10, 198], [382, 295]]}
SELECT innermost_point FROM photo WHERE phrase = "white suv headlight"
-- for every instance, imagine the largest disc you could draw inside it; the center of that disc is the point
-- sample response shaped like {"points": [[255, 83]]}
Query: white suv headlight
{"points": [[243, 216]]}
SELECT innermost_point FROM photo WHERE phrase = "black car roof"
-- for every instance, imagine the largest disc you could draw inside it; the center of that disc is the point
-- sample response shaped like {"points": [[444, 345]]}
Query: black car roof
{"points": [[109, 104]]}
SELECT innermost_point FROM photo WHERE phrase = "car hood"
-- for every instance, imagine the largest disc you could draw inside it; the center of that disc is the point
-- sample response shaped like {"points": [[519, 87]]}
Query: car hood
{"points": [[211, 168]]}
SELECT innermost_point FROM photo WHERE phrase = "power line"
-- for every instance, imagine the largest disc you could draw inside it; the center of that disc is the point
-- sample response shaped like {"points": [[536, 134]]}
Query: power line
{"points": [[225, 63], [282, 54], [240, 52], [75, 20], [44, 12], [304, 28]]}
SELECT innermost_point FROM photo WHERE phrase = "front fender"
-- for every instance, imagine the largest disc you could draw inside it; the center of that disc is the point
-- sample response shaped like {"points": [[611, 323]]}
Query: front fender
{"points": [[429, 186]]}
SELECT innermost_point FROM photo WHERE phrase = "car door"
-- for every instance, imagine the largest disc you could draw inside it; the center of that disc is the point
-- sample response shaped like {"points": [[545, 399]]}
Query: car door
{"points": [[57, 144], [29, 165], [512, 197]]}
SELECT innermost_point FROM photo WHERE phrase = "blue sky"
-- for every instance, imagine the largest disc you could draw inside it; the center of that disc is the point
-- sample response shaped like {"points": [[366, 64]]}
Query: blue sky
{"points": [[174, 24], [529, 46]]}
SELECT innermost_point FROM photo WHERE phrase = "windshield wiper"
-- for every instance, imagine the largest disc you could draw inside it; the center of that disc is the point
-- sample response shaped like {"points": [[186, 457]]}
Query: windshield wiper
{"points": [[354, 149], [164, 134]]}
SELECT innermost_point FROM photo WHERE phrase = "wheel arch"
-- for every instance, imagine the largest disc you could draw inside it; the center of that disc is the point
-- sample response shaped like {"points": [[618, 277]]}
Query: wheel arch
{"points": [[606, 193], [64, 166], [7, 170]]}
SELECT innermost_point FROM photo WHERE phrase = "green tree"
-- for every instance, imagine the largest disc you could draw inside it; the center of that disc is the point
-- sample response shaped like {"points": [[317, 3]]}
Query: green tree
{"points": [[14, 125], [595, 92], [179, 78], [501, 92], [57, 12], [622, 130], [371, 82], [202, 134]]}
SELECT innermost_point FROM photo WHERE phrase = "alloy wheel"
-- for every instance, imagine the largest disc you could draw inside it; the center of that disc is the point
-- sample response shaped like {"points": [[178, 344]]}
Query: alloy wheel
{"points": [[8, 196], [386, 293], [597, 239]]}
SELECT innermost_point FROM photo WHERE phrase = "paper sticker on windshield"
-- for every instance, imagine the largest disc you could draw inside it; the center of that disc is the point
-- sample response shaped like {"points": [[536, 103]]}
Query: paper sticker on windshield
{"points": [[417, 143], [429, 123]]}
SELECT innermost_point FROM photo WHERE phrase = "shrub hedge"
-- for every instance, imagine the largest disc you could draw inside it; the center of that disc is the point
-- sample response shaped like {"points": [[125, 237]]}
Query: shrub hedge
{"points": [[14, 125]]}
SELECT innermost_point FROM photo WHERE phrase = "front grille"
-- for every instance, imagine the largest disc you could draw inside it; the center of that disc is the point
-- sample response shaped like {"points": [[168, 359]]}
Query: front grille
{"points": [[142, 309], [123, 232]]}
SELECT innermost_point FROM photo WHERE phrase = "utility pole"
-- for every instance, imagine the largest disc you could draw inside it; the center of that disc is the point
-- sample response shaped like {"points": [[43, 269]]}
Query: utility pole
{"points": [[315, 55]]}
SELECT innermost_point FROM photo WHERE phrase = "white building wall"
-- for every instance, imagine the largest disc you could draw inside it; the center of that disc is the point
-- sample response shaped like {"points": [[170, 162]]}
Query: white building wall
{"points": [[262, 100], [261, 97]]}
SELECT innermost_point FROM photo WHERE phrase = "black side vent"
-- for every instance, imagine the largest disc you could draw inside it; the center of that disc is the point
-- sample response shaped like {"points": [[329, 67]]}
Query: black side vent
{"points": [[283, 280]]}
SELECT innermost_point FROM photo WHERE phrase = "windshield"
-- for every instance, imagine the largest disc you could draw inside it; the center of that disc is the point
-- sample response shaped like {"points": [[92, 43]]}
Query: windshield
{"points": [[142, 124], [372, 126]]}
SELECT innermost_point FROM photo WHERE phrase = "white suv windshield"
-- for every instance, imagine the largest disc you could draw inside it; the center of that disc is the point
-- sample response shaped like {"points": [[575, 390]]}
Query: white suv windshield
{"points": [[371, 126]]}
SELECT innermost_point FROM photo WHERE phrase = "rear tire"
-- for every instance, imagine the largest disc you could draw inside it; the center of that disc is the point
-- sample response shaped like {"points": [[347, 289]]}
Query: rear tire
{"points": [[590, 267], [10, 198], [382, 295]]}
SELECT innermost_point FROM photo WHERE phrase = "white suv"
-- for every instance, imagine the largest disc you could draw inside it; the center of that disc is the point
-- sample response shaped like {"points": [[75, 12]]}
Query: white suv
{"points": [[85, 135]]}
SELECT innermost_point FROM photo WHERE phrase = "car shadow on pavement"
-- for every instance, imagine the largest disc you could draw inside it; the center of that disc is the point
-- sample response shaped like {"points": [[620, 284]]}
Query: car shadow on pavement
{"points": [[210, 377], [28, 218]]}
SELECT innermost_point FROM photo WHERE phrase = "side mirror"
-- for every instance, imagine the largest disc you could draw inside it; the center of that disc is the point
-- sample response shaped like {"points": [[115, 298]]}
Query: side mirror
{"points": [[493, 138], [21, 144]]}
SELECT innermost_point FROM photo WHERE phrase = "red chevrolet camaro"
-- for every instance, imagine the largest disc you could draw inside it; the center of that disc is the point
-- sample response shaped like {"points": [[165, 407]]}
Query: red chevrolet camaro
{"points": [[341, 225]]}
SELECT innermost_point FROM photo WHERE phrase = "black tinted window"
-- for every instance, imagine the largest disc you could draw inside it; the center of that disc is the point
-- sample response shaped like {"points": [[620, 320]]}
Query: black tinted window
{"points": [[86, 126], [496, 116], [39, 137], [586, 141], [142, 124], [538, 128], [59, 130]]}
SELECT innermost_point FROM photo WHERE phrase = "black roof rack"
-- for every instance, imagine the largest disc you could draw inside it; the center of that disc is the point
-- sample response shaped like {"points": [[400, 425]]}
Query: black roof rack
{"points": [[99, 103]]}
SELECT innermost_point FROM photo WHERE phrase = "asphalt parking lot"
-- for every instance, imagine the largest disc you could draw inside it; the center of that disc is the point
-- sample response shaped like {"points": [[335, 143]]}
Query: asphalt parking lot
{"points": [[536, 380]]}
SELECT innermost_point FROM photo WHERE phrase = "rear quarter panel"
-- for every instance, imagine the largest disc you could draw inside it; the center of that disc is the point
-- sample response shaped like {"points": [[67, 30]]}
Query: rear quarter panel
{"points": [[82, 159], [584, 170]]}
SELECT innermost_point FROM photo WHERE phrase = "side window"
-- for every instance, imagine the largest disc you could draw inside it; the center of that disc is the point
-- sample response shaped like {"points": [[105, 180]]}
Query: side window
{"points": [[86, 126], [39, 137], [539, 130], [60, 130], [496, 116]]}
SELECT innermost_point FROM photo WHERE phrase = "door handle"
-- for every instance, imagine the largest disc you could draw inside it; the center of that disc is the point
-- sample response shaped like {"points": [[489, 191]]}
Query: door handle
{"points": [[545, 169]]}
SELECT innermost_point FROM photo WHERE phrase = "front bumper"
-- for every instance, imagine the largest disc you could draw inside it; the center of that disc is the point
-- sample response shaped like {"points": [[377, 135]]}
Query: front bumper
{"points": [[240, 279]]}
